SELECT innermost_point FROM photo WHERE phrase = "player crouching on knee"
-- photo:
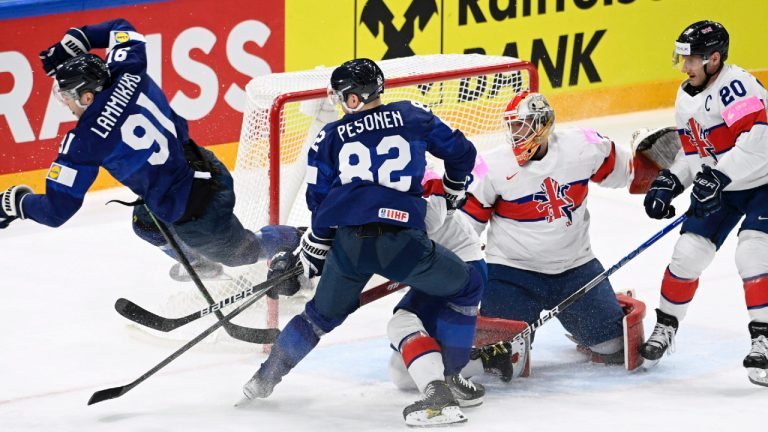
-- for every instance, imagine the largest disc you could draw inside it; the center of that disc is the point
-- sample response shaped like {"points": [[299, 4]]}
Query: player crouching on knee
{"points": [[533, 200]]}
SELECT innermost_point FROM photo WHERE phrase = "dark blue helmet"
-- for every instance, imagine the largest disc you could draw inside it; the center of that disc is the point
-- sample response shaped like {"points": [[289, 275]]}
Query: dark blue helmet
{"points": [[362, 77], [86, 72], [703, 38]]}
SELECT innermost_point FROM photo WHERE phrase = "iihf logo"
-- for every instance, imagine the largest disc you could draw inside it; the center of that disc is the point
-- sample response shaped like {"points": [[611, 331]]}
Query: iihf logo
{"points": [[554, 201], [376, 12], [698, 137]]}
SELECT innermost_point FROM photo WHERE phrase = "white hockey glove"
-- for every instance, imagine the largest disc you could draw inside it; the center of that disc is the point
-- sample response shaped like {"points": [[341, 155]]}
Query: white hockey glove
{"points": [[312, 253], [10, 204], [455, 194]]}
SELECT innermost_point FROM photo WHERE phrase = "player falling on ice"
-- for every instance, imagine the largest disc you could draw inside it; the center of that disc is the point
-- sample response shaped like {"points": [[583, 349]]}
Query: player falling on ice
{"points": [[364, 177], [720, 114], [533, 201], [126, 125]]}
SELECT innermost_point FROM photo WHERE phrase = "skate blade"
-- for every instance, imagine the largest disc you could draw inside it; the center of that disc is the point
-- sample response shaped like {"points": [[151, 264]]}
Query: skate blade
{"points": [[434, 418], [469, 403], [243, 402], [758, 376], [649, 364]]}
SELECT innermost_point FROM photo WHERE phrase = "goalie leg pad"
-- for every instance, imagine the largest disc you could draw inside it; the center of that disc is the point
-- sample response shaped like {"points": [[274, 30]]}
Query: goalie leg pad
{"points": [[632, 323], [492, 330]]}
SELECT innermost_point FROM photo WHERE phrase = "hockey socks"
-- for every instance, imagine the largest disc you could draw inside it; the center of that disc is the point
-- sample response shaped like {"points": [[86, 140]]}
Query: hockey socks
{"points": [[676, 294]]}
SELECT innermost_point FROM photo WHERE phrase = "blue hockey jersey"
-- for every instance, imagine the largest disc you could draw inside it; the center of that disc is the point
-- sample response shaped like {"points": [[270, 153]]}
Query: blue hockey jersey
{"points": [[367, 166], [130, 130]]}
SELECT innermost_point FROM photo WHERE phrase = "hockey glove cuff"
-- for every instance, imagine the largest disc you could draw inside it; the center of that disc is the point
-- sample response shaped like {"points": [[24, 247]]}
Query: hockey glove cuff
{"points": [[706, 196], [658, 200], [73, 44], [312, 254], [10, 204], [280, 263], [455, 194]]}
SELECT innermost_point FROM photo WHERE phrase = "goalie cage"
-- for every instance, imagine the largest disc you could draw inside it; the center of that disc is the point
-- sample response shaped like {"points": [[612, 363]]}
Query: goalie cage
{"points": [[467, 91]]}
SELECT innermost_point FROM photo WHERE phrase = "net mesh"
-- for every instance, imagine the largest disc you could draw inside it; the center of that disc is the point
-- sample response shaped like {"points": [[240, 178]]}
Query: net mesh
{"points": [[287, 110]]}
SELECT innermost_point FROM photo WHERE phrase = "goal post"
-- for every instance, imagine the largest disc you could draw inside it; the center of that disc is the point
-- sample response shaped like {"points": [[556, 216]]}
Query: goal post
{"points": [[284, 112]]}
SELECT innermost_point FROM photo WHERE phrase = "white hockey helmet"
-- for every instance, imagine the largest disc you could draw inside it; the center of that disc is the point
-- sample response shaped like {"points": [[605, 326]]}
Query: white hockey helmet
{"points": [[529, 119]]}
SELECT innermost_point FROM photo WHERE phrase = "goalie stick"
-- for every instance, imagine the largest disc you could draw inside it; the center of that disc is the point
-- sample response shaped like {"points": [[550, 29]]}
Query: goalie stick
{"points": [[259, 291], [579, 293], [139, 315]]}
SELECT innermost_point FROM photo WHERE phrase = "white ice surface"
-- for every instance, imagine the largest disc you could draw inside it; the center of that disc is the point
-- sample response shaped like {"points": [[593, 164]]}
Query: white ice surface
{"points": [[61, 340]]}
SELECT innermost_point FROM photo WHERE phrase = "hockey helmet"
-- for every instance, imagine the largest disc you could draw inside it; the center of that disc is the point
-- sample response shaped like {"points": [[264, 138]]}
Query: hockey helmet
{"points": [[702, 38], [86, 72], [361, 77], [529, 119]]}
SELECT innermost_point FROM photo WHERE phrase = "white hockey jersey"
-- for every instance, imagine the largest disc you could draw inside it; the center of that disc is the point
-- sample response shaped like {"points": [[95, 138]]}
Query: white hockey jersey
{"points": [[455, 233], [537, 213], [724, 126]]}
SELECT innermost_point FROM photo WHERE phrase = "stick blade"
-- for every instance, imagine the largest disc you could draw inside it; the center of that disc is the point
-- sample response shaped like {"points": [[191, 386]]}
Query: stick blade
{"points": [[139, 315], [106, 394]]}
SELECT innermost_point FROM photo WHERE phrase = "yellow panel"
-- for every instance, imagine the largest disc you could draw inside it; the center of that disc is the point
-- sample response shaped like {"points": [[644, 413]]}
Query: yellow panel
{"points": [[621, 41], [318, 32]]}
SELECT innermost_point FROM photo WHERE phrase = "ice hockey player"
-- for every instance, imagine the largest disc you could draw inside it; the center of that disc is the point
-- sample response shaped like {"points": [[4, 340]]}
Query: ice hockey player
{"points": [[418, 358], [720, 114], [533, 199], [126, 125], [364, 177]]}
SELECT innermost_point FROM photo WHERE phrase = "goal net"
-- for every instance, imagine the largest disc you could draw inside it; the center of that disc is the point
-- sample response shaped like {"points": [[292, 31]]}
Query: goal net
{"points": [[285, 112]]}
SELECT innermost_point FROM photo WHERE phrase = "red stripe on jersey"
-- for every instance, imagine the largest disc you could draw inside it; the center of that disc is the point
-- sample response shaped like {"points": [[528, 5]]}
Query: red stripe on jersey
{"points": [[416, 347], [433, 187], [678, 290], [745, 123], [607, 167], [718, 139], [475, 208], [756, 292], [529, 209]]}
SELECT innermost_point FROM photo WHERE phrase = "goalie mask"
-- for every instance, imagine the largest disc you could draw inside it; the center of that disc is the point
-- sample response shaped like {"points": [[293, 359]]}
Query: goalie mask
{"points": [[361, 77], [529, 119], [86, 72]]}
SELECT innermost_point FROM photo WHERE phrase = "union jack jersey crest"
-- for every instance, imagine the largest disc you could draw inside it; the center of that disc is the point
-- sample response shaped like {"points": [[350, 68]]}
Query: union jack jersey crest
{"points": [[697, 137], [554, 201]]}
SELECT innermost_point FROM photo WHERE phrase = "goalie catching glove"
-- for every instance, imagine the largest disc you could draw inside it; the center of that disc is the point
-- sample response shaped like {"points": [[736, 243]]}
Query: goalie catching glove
{"points": [[73, 44], [455, 194], [10, 204]]}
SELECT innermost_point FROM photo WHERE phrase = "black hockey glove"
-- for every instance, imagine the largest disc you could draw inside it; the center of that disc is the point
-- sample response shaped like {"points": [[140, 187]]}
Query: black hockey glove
{"points": [[10, 204], [312, 254], [658, 199], [455, 194], [706, 196], [73, 44], [280, 263]]}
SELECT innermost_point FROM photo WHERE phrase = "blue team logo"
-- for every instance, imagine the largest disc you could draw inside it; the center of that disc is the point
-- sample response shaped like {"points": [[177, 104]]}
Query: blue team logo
{"points": [[698, 138], [553, 200]]}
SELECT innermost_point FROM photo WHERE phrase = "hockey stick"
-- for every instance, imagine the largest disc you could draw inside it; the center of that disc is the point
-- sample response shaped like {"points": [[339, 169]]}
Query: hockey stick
{"points": [[593, 283], [246, 334], [259, 291], [139, 315]]}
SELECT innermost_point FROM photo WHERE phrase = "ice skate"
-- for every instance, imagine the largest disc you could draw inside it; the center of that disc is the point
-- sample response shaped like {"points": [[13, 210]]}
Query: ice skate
{"points": [[256, 388], [466, 392], [438, 408], [662, 339], [756, 361], [504, 358]]}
